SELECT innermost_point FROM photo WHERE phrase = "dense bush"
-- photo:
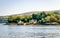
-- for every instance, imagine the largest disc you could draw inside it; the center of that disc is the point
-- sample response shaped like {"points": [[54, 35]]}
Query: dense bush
{"points": [[42, 18]]}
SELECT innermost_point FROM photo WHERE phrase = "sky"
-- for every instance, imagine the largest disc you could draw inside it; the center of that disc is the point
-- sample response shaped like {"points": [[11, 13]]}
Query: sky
{"points": [[8, 7]]}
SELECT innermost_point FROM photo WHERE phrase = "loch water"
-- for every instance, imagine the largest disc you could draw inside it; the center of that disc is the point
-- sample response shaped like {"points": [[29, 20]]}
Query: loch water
{"points": [[30, 31]]}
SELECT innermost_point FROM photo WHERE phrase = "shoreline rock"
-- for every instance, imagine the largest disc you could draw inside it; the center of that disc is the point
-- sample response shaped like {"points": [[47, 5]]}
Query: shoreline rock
{"points": [[30, 24]]}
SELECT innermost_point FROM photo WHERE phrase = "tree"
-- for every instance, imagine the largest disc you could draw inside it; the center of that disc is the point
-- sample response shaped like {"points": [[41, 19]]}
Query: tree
{"points": [[26, 18], [10, 19], [34, 16], [58, 18], [13, 19]]}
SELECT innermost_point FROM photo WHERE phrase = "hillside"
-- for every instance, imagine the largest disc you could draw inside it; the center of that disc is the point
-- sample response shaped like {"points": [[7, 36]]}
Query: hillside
{"points": [[38, 17], [33, 12]]}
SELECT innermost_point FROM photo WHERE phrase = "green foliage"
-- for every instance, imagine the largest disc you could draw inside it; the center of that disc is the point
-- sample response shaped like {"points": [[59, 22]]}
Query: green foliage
{"points": [[13, 19], [42, 18], [26, 18]]}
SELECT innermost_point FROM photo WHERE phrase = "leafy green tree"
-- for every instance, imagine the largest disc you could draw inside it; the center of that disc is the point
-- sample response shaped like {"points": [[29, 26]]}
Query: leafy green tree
{"points": [[58, 18], [34, 16], [10, 19], [26, 18], [13, 19]]}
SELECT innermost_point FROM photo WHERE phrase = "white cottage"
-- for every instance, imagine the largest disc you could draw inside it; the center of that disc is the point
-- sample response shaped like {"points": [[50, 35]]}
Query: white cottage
{"points": [[33, 21], [20, 22]]}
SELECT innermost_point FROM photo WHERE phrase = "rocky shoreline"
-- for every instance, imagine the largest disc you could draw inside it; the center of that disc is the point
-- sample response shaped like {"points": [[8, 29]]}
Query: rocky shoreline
{"points": [[30, 24]]}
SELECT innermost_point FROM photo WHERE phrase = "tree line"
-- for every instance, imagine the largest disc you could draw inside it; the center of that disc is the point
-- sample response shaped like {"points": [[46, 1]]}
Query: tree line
{"points": [[41, 18]]}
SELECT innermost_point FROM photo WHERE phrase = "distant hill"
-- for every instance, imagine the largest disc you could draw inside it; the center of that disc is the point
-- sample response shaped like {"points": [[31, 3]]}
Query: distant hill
{"points": [[5, 18], [33, 12]]}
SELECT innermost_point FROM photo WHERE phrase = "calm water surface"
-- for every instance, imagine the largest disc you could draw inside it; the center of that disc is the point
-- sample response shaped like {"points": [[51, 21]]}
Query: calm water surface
{"points": [[30, 31]]}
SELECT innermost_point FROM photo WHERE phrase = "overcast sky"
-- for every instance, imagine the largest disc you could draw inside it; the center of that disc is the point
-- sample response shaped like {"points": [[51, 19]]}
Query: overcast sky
{"points": [[8, 7]]}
